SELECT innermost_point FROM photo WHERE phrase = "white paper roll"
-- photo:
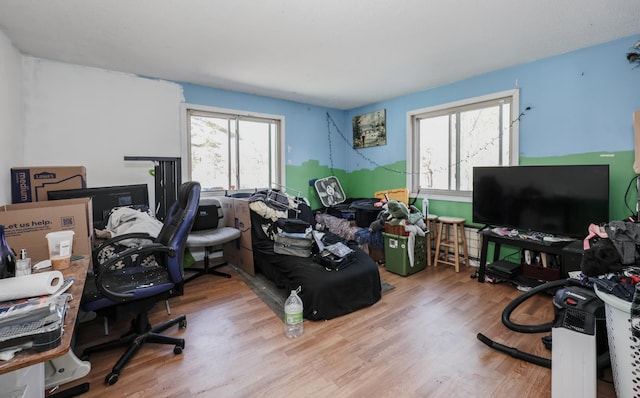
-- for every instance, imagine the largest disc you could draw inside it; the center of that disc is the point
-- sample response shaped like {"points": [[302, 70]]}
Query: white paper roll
{"points": [[33, 285]]}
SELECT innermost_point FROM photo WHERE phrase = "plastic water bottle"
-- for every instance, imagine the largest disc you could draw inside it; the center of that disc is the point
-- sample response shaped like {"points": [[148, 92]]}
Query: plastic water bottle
{"points": [[425, 207], [293, 322]]}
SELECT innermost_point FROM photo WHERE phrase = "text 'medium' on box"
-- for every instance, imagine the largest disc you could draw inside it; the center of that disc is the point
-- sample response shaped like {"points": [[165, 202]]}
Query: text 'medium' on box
{"points": [[31, 184]]}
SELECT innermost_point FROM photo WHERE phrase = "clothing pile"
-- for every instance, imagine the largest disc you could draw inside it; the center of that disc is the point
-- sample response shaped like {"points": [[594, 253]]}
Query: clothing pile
{"points": [[611, 261], [273, 204], [397, 213], [128, 220]]}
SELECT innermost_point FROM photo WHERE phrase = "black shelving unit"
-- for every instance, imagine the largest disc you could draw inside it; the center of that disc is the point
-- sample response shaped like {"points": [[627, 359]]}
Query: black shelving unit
{"points": [[168, 177]]}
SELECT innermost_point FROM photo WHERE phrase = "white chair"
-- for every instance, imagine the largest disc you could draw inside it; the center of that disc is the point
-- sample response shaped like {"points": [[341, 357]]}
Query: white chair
{"points": [[210, 232]]}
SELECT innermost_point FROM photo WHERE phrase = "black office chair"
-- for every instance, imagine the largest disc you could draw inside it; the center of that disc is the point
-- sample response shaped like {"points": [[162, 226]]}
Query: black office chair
{"points": [[129, 281]]}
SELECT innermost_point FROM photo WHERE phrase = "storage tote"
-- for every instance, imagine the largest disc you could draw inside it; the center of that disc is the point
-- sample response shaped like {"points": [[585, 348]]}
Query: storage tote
{"points": [[624, 348], [396, 254]]}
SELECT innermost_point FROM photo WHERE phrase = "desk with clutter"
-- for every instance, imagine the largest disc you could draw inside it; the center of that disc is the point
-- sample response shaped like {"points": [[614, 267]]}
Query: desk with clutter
{"points": [[29, 365]]}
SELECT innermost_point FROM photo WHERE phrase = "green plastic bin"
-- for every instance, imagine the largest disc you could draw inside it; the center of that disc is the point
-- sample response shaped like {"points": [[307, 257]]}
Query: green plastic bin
{"points": [[396, 254]]}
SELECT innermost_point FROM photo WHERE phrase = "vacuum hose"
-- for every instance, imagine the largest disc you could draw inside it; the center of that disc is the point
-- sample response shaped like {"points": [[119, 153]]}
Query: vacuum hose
{"points": [[514, 352], [545, 327], [603, 360], [506, 314]]}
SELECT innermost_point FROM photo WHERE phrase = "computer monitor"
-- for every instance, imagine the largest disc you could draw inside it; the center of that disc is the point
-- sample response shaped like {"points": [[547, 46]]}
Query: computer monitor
{"points": [[106, 198]]}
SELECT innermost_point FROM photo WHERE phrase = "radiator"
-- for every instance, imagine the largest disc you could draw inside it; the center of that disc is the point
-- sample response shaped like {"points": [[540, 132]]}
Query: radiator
{"points": [[473, 244]]}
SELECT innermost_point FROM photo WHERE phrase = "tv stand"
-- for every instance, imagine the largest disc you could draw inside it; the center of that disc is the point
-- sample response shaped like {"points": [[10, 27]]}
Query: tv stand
{"points": [[569, 253]]}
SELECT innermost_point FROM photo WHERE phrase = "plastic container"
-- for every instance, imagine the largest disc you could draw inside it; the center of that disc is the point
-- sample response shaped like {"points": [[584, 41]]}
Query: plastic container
{"points": [[624, 348], [366, 211], [396, 254], [293, 320], [60, 248]]}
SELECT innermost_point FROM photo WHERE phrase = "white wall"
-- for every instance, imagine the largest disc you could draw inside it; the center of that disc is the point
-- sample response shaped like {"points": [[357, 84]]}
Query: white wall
{"points": [[11, 133], [76, 115]]}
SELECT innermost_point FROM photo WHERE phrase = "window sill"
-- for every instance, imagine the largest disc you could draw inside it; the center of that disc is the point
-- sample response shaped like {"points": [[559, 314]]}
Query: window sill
{"points": [[449, 197]]}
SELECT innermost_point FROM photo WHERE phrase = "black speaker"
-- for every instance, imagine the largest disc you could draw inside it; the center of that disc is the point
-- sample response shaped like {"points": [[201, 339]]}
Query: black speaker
{"points": [[572, 257], [207, 217]]}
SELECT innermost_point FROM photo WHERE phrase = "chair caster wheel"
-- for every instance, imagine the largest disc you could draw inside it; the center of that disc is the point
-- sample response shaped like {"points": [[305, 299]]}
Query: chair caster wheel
{"points": [[111, 379], [182, 324], [177, 350]]}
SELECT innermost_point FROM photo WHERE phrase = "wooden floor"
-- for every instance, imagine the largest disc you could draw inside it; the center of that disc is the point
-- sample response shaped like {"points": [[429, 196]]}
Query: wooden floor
{"points": [[419, 340]]}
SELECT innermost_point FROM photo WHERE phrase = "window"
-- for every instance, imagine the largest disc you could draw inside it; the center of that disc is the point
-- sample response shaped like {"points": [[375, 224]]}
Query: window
{"points": [[445, 143], [233, 151]]}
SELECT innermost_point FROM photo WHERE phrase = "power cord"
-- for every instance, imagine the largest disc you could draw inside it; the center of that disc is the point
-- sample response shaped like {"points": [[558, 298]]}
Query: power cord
{"points": [[634, 216]]}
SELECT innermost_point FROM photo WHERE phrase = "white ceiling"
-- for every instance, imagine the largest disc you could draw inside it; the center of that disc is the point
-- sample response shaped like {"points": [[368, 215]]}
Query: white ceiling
{"points": [[335, 53]]}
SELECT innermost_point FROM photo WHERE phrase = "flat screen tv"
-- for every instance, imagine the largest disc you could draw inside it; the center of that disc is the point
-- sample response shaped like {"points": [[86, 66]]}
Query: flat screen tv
{"points": [[557, 200], [106, 198]]}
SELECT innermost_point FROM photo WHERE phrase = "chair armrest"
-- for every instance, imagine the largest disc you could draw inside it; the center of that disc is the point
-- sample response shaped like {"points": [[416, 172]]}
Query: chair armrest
{"points": [[106, 268]]}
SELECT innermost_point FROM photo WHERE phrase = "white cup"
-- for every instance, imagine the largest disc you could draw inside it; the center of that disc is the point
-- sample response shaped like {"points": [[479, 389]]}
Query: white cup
{"points": [[60, 247]]}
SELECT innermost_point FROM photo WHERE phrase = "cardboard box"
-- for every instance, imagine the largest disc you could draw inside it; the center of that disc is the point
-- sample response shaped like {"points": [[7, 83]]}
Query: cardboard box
{"points": [[244, 261], [226, 204], [26, 224], [241, 257], [230, 252], [376, 254], [242, 221], [238, 215], [395, 229], [31, 184]]}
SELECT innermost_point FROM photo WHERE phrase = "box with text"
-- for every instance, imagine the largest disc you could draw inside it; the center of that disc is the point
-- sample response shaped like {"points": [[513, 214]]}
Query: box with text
{"points": [[31, 184], [26, 225]]}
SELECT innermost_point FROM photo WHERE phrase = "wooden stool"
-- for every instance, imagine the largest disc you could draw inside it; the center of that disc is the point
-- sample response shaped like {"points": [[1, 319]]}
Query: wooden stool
{"points": [[444, 240], [432, 225]]}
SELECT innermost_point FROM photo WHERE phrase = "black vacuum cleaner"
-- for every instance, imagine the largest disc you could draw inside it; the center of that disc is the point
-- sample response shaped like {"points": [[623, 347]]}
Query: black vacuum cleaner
{"points": [[578, 344]]}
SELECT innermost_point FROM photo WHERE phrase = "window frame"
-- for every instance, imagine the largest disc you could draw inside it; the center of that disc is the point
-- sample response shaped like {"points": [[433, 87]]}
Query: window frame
{"points": [[279, 156], [413, 141]]}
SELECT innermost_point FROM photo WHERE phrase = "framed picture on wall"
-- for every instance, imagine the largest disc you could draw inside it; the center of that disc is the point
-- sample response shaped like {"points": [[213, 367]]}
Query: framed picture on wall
{"points": [[370, 129]]}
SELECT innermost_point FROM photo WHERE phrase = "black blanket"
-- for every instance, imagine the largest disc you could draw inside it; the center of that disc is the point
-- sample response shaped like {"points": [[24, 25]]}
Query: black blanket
{"points": [[325, 294]]}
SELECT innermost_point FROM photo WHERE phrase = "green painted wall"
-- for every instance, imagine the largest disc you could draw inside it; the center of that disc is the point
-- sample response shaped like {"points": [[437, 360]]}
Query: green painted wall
{"points": [[300, 180], [364, 183], [358, 184], [621, 174]]}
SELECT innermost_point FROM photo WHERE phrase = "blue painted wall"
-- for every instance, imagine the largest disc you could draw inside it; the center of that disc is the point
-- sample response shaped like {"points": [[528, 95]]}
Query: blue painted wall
{"points": [[581, 102], [306, 125]]}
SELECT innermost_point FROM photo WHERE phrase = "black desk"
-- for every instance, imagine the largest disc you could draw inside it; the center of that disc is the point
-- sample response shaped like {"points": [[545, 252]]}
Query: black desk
{"points": [[526, 244]]}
